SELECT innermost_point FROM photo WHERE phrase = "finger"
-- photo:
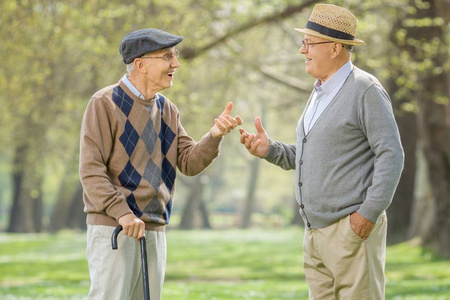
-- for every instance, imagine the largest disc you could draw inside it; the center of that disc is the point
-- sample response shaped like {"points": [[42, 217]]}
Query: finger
{"points": [[259, 126], [136, 230], [248, 141], [125, 230], [255, 146], [244, 135], [227, 123], [227, 109], [142, 232], [233, 122], [220, 126], [239, 120]]}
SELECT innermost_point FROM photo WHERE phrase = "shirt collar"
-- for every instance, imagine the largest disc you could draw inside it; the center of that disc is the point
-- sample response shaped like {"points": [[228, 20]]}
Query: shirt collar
{"points": [[334, 80], [131, 87]]}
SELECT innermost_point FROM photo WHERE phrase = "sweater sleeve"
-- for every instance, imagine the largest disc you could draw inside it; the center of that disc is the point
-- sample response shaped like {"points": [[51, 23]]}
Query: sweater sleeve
{"points": [[96, 142], [378, 123], [281, 154], [194, 157]]}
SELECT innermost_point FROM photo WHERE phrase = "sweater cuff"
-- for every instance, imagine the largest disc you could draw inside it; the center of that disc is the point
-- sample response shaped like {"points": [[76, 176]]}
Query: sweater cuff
{"points": [[118, 210], [271, 153], [369, 211], [216, 139]]}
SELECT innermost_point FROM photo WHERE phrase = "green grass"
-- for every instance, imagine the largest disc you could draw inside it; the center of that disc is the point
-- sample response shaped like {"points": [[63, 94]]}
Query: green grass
{"points": [[228, 264]]}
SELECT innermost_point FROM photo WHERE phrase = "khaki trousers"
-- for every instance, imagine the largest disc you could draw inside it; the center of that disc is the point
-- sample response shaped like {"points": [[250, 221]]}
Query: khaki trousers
{"points": [[117, 274], [338, 264]]}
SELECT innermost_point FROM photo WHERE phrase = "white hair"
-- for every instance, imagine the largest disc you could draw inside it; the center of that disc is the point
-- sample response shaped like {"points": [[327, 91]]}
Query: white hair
{"points": [[349, 48], [130, 67]]}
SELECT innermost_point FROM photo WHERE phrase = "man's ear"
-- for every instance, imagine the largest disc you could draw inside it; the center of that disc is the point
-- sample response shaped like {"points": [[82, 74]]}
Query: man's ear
{"points": [[139, 65], [336, 49]]}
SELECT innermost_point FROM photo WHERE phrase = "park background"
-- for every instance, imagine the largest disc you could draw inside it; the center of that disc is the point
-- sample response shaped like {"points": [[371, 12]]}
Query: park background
{"points": [[244, 238]]}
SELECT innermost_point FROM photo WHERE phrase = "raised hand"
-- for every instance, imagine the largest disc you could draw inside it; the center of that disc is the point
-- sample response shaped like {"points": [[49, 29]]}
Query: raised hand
{"points": [[257, 144], [225, 123]]}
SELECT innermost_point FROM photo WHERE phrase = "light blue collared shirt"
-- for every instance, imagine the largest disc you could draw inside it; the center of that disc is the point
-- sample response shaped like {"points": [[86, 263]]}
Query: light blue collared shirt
{"points": [[131, 87], [324, 94]]}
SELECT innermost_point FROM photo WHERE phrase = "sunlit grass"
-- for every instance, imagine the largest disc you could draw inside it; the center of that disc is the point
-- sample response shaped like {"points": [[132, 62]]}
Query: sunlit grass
{"points": [[228, 264]]}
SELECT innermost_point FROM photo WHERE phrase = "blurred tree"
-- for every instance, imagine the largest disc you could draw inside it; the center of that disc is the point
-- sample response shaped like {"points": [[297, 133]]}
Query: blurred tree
{"points": [[28, 83], [426, 44], [405, 108], [56, 54]]}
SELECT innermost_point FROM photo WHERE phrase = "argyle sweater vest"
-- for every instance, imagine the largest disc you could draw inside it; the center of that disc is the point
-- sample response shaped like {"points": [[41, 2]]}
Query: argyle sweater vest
{"points": [[129, 152]]}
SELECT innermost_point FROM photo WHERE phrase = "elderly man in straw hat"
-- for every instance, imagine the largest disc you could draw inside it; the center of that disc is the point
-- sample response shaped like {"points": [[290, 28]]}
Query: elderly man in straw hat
{"points": [[132, 141], [348, 159]]}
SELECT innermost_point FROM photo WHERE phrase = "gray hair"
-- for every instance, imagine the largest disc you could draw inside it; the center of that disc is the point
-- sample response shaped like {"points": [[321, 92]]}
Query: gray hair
{"points": [[130, 67], [349, 48]]}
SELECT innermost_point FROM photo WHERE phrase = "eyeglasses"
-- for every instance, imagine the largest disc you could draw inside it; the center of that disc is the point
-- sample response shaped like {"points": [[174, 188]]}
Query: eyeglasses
{"points": [[167, 57], [306, 44]]}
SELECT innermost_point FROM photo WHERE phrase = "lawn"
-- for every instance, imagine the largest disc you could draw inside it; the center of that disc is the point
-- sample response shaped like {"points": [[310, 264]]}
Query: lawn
{"points": [[228, 264]]}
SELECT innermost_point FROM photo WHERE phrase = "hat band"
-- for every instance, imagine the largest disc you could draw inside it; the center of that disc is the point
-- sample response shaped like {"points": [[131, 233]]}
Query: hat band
{"points": [[329, 32]]}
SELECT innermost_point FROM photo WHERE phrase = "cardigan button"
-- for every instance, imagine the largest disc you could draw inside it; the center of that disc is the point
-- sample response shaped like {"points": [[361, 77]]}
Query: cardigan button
{"points": [[302, 206], [304, 140]]}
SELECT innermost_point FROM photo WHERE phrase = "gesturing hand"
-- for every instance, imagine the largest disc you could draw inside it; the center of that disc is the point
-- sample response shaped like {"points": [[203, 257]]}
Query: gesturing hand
{"points": [[257, 144], [225, 123]]}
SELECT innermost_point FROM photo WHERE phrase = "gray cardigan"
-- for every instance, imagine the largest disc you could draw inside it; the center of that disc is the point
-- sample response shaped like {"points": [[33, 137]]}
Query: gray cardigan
{"points": [[351, 159]]}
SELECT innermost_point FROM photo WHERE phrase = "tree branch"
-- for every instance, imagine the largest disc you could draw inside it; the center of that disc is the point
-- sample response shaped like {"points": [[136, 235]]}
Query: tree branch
{"points": [[190, 53]]}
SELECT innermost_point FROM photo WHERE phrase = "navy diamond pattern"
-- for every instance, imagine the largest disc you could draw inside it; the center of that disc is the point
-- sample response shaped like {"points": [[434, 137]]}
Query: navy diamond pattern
{"points": [[129, 138], [122, 100], [167, 136], [168, 211], [129, 177], [168, 174], [133, 205]]}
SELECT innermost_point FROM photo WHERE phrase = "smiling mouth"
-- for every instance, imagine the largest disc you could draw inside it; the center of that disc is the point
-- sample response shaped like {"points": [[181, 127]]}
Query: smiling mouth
{"points": [[171, 74]]}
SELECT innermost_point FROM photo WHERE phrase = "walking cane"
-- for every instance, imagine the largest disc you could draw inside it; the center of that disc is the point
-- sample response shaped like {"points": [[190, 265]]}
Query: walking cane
{"points": [[143, 259]]}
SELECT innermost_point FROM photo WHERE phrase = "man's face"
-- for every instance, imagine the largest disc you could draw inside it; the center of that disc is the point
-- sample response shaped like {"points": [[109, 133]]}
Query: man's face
{"points": [[318, 57], [161, 66]]}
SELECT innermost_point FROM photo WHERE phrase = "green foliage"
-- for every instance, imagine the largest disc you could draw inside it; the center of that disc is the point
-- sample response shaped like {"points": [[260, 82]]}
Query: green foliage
{"points": [[56, 54], [229, 264]]}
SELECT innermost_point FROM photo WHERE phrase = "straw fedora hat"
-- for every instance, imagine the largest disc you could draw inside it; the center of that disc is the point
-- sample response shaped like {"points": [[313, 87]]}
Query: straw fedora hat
{"points": [[332, 23]]}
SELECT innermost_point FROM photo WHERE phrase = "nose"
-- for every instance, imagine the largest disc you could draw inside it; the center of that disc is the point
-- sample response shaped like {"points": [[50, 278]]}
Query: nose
{"points": [[303, 49], [175, 63]]}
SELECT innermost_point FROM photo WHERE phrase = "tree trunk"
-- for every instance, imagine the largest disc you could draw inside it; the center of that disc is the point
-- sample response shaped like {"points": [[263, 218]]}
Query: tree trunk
{"points": [[191, 206], [60, 212], [206, 224], [38, 206], [400, 210], [250, 199], [76, 216], [21, 217], [434, 113]]}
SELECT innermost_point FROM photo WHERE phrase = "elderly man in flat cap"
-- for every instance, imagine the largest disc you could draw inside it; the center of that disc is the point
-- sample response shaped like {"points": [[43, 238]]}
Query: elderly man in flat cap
{"points": [[131, 143], [347, 159]]}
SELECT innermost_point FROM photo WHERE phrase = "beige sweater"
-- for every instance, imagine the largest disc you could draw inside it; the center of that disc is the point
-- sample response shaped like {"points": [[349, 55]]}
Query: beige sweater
{"points": [[129, 151]]}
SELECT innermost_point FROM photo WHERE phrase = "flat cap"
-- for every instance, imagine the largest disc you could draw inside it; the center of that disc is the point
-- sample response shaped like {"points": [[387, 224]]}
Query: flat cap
{"points": [[137, 43]]}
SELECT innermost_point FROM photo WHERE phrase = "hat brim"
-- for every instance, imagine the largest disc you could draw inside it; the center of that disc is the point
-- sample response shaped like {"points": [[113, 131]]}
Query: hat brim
{"points": [[354, 42]]}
